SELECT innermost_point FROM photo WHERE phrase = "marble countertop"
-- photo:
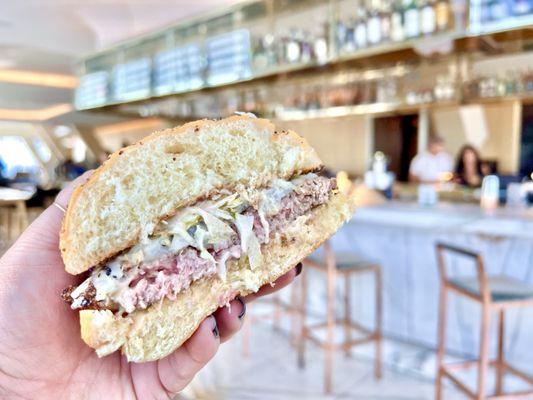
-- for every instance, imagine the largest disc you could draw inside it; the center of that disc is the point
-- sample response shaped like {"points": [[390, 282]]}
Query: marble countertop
{"points": [[457, 217]]}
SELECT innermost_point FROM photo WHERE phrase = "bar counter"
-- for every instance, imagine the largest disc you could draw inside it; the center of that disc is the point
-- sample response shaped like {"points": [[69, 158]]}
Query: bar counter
{"points": [[401, 236]]}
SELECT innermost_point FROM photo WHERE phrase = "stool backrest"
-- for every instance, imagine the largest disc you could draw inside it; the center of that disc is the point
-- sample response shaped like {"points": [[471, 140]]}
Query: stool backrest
{"points": [[482, 279]]}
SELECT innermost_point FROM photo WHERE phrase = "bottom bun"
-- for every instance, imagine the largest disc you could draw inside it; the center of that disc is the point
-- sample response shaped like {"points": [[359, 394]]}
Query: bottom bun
{"points": [[151, 334]]}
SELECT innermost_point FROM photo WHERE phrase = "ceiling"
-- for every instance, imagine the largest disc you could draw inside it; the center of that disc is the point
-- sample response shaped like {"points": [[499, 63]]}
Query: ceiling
{"points": [[51, 35]]}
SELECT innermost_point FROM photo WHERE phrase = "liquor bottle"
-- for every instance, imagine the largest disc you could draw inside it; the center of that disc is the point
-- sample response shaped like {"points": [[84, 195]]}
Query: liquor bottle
{"points": [[485, 10], [428, 20], [292, 49], [269, 42], [443, 15], [281, 48], [340, 35], [361, 37], [385, 20], [522, 7], [349, 43], [527, 80], [373, 24], [260, 60], [320, 45], [306, 50], [498, 10], [411, 19], [397, 30]]}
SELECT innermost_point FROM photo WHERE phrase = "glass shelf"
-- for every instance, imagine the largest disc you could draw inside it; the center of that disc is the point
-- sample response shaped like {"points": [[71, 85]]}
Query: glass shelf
{"points": [[204, 53]]}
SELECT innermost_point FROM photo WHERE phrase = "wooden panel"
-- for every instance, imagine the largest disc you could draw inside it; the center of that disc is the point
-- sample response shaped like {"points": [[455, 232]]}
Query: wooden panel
{"points": [[503, 142], [341, 143]]}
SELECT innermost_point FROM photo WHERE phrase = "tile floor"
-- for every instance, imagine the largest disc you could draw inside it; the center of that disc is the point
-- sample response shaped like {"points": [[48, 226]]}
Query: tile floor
{"points": [[270, 372]]}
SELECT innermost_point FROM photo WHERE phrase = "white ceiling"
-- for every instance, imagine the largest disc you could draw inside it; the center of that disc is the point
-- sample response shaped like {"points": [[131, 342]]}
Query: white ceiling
{"points": [[51, 35]]}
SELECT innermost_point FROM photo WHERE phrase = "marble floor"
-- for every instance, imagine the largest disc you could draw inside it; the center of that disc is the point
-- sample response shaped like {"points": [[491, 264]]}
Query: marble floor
{"points": [[270, 372]]}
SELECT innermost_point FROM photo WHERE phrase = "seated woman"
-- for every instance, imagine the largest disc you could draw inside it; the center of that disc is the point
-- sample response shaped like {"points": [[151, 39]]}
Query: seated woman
{"points": [[468, 168]]}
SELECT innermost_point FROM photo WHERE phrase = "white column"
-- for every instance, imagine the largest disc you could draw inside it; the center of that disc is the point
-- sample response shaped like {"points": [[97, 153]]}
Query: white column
{"points": [[423, 129], [369, 128]]}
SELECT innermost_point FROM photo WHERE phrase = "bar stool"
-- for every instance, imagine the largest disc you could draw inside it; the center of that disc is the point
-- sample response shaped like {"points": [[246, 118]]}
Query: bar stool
{"points": [[13, 220], [495, 293], [346, 265]]}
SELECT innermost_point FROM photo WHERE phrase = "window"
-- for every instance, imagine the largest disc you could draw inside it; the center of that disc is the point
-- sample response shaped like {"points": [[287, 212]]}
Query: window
{"points": [[17, 156]]}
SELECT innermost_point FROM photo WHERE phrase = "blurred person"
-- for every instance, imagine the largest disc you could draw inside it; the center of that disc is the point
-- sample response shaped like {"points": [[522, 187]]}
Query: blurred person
{"points": [[68, 170], [468, 167], [432, 165], [3, 169], [41, 352]]}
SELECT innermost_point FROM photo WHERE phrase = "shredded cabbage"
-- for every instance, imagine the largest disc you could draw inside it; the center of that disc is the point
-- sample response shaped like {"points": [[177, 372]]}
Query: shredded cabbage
{"points": [[178, 243], [180, 230], [221, 265], [254, 252], [264, 223], [209, 223], [245, 224], [154, 250], [199, 237], [249, 242], [217, 229]]}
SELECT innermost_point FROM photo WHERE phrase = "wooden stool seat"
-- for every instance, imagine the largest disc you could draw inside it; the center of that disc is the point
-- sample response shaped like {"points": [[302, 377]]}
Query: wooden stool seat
{"points": [[502, 288], [343, 261], [345, 265]]}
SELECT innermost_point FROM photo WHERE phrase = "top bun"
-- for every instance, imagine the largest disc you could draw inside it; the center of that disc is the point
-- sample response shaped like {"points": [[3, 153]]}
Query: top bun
{"points": [[151, 179]]}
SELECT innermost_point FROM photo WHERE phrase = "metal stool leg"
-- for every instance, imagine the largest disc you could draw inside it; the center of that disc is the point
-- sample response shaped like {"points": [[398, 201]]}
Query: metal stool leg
{"points": [[277, 312], [328, 362], [347, 315], [246, 332], [302, 311], [500, 369], [379, 310], [294, 311], [483, 364], [443, 309]]}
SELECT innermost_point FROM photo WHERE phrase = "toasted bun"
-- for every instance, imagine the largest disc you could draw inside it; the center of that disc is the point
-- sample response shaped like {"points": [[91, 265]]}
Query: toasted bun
{"points": [[143, 183], [157, 331]]}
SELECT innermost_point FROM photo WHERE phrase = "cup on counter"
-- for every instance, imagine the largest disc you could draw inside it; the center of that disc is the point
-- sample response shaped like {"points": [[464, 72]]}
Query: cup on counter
{"points": [[427, 195], [516, 195], [490, 193]]}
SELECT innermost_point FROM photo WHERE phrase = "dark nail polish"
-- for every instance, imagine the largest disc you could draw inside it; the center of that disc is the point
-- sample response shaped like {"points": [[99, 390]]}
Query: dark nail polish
{"points": [[216, 333], [299, 267], [243, 311]]}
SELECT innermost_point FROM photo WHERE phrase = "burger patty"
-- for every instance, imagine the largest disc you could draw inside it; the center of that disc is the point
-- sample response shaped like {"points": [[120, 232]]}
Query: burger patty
{"points": [[169, 275]]}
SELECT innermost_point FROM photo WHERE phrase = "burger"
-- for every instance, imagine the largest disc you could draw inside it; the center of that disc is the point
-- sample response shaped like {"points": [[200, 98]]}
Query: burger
{"points": [[175, 226]]}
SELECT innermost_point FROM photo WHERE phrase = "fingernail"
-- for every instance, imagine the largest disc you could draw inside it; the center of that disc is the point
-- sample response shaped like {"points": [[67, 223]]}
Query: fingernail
{"points": [[215, 331], [243, 303], [299, 267]]}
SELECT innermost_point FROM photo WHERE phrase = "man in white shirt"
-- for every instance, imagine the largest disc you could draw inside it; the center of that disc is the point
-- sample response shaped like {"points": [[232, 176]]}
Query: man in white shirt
{"points": [[432, 165]]}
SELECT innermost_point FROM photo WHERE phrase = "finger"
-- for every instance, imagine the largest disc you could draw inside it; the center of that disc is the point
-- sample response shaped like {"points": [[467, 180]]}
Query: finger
{"points": [[278, 284], [47, 225], [178, 369], [230, 319]]}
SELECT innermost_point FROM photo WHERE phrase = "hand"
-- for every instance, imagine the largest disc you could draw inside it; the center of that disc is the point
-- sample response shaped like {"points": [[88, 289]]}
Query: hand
{"points": [[41, 352]]}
